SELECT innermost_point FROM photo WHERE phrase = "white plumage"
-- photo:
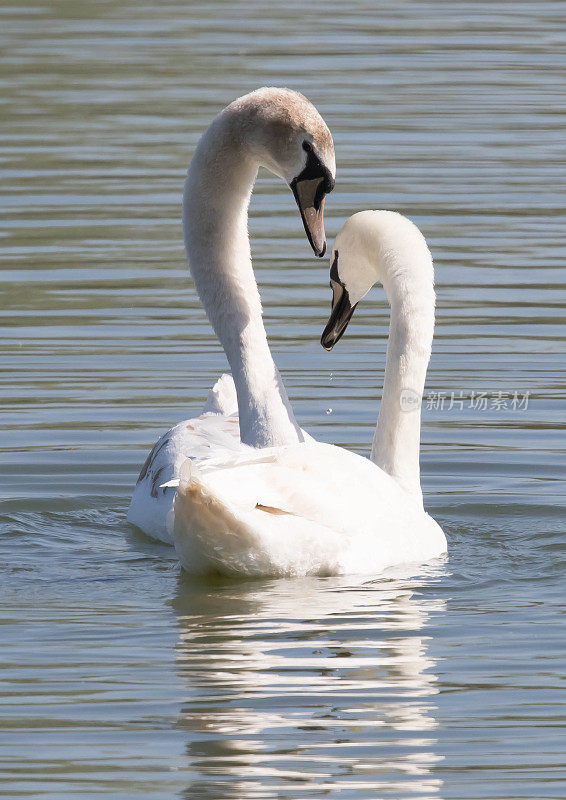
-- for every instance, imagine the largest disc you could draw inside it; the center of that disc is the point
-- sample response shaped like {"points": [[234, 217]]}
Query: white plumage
{"points": [[304, 509], [281, 503], [202, 438]]}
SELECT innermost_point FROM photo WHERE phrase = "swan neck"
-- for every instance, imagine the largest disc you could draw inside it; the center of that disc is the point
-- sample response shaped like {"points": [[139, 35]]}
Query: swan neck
{"points": [[217, 193], [396, 444]]}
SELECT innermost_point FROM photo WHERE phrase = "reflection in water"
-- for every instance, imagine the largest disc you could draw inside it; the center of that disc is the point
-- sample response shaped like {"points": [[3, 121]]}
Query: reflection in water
{"points": [[313, 680]]}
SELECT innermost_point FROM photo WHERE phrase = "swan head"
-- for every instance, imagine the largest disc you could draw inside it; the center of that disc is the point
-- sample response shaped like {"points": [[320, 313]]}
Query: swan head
{"points": [[285, 134], [375, 247]]}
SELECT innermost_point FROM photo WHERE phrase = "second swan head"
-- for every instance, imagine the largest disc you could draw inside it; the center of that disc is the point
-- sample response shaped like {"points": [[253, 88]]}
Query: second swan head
{"points": [[376, 247]]}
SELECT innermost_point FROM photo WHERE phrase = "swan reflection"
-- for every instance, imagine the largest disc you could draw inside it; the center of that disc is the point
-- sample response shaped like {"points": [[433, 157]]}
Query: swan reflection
{"points": [[313, 680]]}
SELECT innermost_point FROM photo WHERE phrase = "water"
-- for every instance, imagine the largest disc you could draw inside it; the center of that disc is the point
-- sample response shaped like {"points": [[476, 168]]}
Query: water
{"points": [[123, 678]]}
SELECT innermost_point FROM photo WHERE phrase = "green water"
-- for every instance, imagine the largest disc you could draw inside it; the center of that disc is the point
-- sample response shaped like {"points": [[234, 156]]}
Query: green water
{"points": [[121, 677]]}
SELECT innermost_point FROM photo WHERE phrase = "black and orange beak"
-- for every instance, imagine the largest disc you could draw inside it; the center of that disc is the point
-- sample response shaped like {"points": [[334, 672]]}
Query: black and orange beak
{"points": [[310, 188]]}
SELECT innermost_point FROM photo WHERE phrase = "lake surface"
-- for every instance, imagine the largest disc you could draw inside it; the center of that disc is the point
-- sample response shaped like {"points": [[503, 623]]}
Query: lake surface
{"points": [[123, 678]]}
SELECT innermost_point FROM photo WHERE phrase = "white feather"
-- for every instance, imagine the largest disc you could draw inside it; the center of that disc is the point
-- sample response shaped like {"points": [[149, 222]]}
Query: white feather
{"points": [[305, 509]]}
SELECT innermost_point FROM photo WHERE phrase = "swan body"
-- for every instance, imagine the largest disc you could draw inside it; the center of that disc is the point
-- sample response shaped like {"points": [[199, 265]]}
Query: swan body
{"points": [[210, 441], [241, 489], [282, 131], [309, 508], [151, 508], [303, 509]]}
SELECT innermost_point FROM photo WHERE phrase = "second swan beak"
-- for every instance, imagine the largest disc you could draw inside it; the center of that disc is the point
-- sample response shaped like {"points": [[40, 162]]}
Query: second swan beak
{"points": [[340, 316], [309, 194]]}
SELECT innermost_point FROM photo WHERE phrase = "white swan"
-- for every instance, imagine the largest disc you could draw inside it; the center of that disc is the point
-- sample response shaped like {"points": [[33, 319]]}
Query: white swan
{"points": [[282, 131], [311, 508]]}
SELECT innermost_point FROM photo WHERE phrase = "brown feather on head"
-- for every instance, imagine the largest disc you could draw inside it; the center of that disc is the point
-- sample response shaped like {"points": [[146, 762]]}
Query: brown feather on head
{"points": [[287, 135]]}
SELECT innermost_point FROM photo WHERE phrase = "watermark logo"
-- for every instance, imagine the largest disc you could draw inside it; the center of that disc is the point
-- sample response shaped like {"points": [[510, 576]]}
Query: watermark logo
{"points": [[409, 400]]}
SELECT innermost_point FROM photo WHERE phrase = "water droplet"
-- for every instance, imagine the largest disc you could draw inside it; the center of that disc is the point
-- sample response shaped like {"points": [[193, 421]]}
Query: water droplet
{"points": [[329, 411]]}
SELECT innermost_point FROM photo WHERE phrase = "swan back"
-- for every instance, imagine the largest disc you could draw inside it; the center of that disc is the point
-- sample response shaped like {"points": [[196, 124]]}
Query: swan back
{"points": [[308, 509]]}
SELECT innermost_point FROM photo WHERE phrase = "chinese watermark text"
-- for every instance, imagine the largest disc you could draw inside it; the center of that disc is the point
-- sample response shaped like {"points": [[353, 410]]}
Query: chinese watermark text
{"points": [[460, 401]]}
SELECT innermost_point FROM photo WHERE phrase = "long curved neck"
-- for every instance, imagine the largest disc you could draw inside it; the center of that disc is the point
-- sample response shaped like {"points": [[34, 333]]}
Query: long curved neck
{"points": [[396, 443], [215, 222]]}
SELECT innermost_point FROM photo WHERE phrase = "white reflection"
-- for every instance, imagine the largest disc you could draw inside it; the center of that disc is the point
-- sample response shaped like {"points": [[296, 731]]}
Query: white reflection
{"points": [[317, 680]]}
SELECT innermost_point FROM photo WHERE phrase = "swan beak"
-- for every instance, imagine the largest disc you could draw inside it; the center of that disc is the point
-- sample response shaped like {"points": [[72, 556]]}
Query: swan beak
{"points": [[309, 194], [340, 316]]}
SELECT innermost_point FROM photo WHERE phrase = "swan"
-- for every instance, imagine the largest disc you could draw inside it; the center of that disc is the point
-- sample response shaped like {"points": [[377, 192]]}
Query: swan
{"points": [[282, 131], [308, 508]]}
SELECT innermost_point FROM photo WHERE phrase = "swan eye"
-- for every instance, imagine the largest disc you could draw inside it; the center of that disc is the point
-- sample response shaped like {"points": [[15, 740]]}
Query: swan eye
{"points": [[307, 147]]}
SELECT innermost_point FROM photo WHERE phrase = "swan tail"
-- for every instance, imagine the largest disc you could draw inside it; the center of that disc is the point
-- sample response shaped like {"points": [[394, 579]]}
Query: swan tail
{"points": [[222, 397]]}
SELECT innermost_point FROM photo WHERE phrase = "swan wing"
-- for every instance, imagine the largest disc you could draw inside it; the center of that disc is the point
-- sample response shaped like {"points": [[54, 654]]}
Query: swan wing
{"points": [[310, 508], [215, 433]]}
